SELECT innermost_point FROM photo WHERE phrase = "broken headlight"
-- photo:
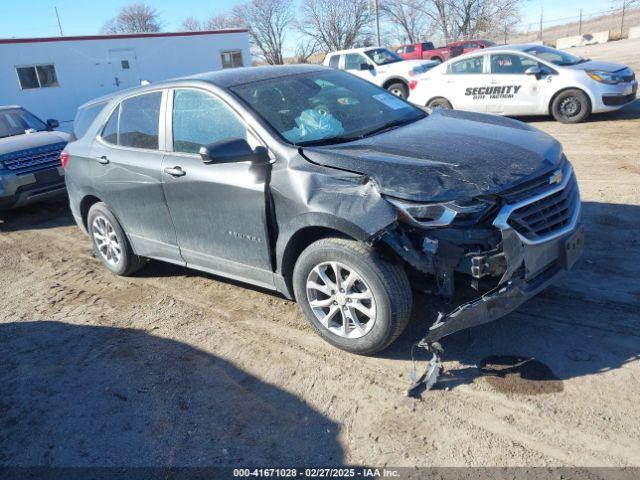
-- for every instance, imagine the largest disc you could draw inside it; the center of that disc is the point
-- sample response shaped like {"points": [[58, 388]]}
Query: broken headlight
{"points": [[441, 214]]}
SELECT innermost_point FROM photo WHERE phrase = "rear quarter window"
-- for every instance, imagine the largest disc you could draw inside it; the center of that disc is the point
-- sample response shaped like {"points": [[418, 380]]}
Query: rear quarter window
{"points": [[84, 119]]}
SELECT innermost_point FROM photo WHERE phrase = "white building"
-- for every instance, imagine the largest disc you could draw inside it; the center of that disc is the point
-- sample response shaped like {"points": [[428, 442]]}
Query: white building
{"points": [[51, 77]]}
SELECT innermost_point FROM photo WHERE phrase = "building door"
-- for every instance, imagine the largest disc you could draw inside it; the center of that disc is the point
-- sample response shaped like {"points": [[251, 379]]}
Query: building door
{"points": [[124, 65]]}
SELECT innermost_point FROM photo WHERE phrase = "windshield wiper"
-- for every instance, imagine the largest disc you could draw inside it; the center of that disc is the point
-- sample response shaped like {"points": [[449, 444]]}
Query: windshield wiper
{"points": [[328, 141], [389, 126]]}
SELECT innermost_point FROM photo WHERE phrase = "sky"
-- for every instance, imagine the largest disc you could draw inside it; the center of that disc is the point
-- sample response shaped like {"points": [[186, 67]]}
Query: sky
{"points": [[36, 18]]}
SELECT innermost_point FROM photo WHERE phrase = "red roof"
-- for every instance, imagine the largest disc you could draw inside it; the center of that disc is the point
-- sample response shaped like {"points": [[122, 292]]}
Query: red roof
{"points": [[123, 36]]}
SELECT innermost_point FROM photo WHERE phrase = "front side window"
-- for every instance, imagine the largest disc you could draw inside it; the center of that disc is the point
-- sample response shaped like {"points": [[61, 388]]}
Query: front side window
{"points": [[334, 61], [353, 61], [382, 56], [37, 76], [552, 55], [17, 121], [510, 64], [467, 66], [231, 58], [324, 107], [135, 123], [199, 119]]}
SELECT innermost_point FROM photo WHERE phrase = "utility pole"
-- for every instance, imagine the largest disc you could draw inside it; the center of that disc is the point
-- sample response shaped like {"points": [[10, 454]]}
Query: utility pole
{"points": [[624, 6], [580, 24], [540, 32], [59, 24], [377, 22]]}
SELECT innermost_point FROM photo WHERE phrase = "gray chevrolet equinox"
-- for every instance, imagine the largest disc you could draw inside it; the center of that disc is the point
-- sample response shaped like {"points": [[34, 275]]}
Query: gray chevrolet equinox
{"points": [[327, 189]]}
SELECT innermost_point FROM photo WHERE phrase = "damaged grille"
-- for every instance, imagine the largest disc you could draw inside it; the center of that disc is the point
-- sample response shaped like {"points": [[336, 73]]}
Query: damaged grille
{"points": [[536, 216], [33, 159]]}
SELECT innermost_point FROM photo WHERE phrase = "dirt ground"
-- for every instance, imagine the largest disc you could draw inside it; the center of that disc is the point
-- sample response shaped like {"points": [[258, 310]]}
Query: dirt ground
{"points": [[174, 367]]}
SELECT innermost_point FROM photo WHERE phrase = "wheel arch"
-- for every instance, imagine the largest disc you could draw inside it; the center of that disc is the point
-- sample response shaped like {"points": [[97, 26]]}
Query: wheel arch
{"points": [[390, 81], [564, 89], [85, 205]]}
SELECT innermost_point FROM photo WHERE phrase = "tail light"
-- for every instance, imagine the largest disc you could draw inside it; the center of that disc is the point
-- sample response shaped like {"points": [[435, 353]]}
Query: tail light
{"points": [[64, 158], [413, 84]]}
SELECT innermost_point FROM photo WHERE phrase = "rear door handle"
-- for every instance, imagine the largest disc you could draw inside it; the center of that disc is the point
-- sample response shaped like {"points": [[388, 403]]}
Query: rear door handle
{"points": [[175, 171], [103, 159]]}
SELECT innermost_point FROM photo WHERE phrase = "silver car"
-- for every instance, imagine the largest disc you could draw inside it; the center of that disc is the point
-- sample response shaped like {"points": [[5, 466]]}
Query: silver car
{"points": [[527, 79]]}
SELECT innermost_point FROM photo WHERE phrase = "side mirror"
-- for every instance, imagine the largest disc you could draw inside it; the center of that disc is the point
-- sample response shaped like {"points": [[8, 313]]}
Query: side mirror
{"points": [[52, 123], [366, 66], [533, 71], [232, 151]]}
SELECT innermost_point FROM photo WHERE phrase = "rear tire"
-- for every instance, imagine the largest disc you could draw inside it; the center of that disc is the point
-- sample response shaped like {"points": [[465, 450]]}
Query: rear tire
{"points": [[571, 106], [372, 294], [440, 102], [399, 89], [110, 242]]}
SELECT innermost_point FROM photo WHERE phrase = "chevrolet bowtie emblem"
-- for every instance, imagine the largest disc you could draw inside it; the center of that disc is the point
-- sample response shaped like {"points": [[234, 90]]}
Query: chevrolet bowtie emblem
{"points": [[556, 177]]}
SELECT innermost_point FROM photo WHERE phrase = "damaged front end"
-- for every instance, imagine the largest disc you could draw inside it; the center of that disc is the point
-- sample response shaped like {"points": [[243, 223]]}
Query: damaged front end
{"points": [[486, 257]]}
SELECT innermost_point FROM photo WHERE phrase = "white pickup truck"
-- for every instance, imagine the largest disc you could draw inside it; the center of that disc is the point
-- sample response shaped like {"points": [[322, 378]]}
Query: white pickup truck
{"points": [[382, 67]]}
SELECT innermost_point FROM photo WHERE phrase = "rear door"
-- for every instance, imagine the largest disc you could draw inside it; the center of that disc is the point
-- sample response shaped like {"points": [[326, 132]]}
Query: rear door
{"points": [[464, 82], [125, 68], [219, 210], [511, 91], [127, 174]]}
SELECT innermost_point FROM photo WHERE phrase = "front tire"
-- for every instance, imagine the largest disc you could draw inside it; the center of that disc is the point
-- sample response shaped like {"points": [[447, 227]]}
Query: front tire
{"points": [[571, 106], [110, 242], [353, 298], [399, 89], [440, 102]]}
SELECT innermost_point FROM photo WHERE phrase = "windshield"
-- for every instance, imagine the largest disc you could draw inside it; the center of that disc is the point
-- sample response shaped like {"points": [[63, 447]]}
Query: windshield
{"points": [[382, 56], [325, 107], [16, 121], [554, 56]]}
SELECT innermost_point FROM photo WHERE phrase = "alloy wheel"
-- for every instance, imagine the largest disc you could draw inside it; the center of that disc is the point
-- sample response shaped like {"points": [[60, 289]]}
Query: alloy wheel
{"points": [[106, 240], [341, 300]]}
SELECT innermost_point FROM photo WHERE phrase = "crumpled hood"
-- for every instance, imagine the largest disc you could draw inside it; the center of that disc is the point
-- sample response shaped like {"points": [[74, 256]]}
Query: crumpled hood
{"points": [[598, 65], [31, 140], [448, 155]]}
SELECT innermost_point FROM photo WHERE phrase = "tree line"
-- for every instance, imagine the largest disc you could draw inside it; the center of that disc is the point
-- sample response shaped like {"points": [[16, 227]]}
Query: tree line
{"points": [[327, 25]]}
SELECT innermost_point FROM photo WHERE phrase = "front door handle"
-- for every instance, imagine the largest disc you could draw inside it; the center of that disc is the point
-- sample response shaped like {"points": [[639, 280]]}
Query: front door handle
{"points": [[495, 82], [102, 159], [175, 171]]}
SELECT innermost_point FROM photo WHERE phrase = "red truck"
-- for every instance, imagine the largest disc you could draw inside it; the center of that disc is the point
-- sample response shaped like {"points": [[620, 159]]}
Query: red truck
{"points": [[426, 50]]}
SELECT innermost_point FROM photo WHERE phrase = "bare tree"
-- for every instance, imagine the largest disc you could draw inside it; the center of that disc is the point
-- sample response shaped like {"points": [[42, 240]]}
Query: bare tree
{"points": [[223, 21], [267, 21], [134, 18], [472, 18], [335, 24], [408, 18], [191, 24], [305, 49]]}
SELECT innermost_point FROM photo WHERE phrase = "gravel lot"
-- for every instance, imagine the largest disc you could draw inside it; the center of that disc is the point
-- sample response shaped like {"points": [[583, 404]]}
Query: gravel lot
{"points": [[174, 367]]}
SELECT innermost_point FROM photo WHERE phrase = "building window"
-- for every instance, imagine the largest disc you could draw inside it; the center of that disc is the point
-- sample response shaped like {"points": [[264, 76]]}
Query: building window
{"points": [[231, 58], [37, 76], [125, 64]]}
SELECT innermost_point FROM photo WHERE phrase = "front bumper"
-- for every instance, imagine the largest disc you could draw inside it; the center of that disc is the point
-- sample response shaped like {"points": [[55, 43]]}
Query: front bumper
{"points": [[613, 97], [19, 189], [506, 297]]}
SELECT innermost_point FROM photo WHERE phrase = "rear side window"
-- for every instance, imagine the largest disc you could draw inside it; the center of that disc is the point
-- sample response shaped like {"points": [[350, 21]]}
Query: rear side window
{"points": [[334, 61], [139, 121], [135, 123], [409, 49], [467, 66], [84, 119], [110, 131]]}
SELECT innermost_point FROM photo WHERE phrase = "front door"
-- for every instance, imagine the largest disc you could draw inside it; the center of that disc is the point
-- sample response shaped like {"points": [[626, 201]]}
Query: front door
{"points": [[512, 91], [125, 68], [219, 210]]}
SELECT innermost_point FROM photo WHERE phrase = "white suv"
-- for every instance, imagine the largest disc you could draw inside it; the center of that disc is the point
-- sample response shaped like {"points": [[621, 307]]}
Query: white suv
{"points": [[381, 67]]}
